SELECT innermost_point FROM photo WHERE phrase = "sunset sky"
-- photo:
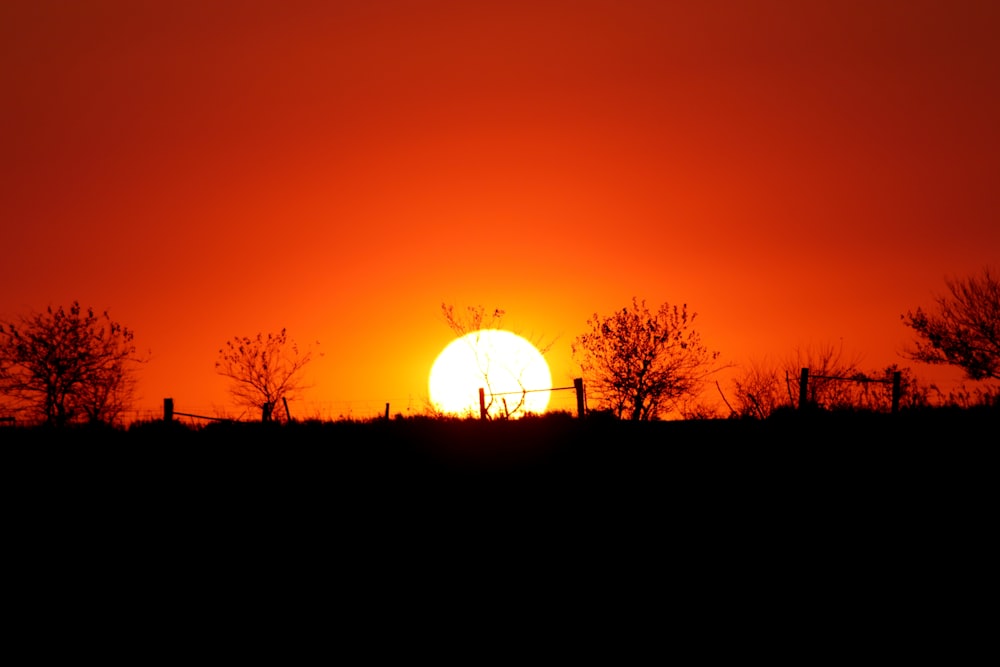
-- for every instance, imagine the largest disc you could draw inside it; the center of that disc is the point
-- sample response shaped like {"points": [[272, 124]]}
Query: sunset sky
{"points": [[798, 173]]}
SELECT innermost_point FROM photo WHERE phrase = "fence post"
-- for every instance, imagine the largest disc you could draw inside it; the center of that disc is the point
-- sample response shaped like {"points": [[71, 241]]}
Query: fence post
{"points": [[803, 388], [288, 414], [168, 409], [482, 403], [896, 390], [387, 412], [578, 385]]}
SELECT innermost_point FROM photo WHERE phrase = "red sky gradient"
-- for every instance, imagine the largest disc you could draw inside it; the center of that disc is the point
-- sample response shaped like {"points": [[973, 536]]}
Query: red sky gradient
{"points": [[798, 173]]}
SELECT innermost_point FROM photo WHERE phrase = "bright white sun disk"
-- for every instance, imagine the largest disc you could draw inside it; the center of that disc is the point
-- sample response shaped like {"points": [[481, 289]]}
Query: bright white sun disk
{"points": [[506, 366]]}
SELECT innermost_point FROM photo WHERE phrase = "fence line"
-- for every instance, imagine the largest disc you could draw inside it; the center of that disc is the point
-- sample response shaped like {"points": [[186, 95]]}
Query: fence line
{"points": [[169, 412], [577, 387], [896, 383]]}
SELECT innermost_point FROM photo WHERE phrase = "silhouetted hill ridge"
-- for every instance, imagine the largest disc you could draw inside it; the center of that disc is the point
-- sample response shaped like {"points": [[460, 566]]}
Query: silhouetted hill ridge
{"points": [[823, 448]]}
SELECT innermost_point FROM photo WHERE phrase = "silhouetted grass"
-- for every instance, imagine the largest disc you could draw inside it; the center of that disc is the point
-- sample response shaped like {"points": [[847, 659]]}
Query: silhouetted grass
{"points": [[819, 445]]}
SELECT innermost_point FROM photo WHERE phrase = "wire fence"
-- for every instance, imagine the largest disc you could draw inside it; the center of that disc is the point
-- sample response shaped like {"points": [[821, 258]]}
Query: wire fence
{"points": [[562, 399]]}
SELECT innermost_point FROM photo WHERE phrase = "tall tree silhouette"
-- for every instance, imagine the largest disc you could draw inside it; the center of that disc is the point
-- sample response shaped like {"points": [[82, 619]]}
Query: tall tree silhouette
{"points": [[263, 370], [636, 363], [963, 329], [64, 366]]}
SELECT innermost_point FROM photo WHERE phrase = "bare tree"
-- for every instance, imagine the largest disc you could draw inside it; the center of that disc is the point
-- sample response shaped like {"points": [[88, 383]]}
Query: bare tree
{"points": [[471, 323], [759, 391], [264, 370], [474, 318], [965, 329], [65, 366], [638, 363]]}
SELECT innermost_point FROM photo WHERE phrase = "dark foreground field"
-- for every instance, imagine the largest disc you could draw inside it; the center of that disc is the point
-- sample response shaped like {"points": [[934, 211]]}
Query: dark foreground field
{"points": [[819, 527], [716, 488], [793, 452]]}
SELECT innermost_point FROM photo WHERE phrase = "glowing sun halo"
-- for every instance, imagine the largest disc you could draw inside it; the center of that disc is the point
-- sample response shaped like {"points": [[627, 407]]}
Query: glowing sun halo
{"points": [[508, 367]]}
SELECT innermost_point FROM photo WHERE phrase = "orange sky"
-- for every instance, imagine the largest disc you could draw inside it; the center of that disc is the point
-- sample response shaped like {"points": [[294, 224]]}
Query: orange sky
{"points": [[798, 173]]}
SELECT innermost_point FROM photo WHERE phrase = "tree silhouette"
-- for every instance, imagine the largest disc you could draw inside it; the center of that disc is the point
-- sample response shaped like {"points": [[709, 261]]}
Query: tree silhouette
{"points": [[759, 390], [264, 370], [965, 329], [68, 365], [636, 363]]}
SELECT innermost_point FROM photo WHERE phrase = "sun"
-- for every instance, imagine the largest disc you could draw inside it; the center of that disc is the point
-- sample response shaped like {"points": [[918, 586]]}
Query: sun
{"points": [[511, 371]]}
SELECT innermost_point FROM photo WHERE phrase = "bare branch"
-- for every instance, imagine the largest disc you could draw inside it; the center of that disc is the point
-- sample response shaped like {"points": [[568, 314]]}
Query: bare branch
{"points": [[965, 329]]}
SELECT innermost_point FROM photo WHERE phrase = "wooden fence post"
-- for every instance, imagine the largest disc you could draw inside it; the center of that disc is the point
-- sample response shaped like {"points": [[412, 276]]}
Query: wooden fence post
{"points": [[482, 403], [168, 409], [578, 385], [896, 390], [803, 388]]}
